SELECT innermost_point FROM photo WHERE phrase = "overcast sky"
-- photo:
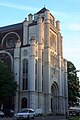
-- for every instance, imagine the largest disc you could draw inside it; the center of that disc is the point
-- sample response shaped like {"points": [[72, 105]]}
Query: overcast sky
{"points": [[66, 11]]}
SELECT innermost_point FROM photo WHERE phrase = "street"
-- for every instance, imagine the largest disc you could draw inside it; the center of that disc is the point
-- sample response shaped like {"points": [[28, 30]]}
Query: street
{"points": [[40, 118]]}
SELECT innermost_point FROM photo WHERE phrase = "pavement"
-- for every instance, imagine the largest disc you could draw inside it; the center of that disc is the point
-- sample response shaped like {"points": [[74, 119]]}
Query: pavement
{"points": [[55, 118], [59, 118], [40, 118]]}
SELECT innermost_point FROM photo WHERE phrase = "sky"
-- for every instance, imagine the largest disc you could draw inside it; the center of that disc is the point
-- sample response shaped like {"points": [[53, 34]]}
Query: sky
{"points": [[66, 11]]}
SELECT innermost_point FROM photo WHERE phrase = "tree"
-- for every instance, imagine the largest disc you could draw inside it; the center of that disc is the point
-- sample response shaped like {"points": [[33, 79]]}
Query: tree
{"points": [[8, 86], [73, 84]]}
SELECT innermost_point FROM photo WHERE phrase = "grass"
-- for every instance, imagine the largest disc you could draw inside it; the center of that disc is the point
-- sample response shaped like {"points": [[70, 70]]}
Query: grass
{"points": [[75, 118]]}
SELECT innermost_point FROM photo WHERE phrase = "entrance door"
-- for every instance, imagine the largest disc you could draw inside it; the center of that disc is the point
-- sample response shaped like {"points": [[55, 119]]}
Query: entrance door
{"points": [[24, 103], [54, 99]]}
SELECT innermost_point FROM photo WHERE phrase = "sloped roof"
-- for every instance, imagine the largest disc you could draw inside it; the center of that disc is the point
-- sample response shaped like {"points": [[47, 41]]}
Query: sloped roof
{"points": [[42, 10], [9, 27]]}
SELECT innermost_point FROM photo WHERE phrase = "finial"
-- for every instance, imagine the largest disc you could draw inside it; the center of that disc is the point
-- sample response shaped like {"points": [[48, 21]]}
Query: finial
{"points": [[25, 18]]}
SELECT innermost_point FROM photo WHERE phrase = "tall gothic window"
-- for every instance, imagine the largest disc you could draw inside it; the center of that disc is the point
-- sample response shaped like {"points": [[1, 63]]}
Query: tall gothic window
{"points": [[53, 41], [25, 74]]}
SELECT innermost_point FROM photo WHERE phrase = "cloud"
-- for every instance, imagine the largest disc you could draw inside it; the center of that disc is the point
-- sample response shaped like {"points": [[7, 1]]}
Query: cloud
{"points": [[71, 18], [16, 6], [72, 50], [72, 53], [74, 1], [73, 26], [59, 14]]}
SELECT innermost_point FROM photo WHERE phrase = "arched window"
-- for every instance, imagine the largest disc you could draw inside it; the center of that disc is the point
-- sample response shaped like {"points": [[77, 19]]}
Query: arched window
{"points": [[24, 103], [25, 74], [53, 41], [10, 40]]}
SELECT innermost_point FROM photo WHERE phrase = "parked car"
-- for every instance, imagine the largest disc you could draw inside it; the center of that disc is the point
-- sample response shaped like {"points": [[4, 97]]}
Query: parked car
{"points": [[38, 112], [72, 113], [8, 113], [25, 114], [1, 114]]}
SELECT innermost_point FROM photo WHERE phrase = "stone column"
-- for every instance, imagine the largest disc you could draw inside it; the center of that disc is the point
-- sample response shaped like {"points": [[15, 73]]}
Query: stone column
{"points": [[40, 97], [17, 73], [46, 63], [47, 29], [32, 73], [66, 87], [46, 57], [40, 54], [25, 32], [60, 73]]}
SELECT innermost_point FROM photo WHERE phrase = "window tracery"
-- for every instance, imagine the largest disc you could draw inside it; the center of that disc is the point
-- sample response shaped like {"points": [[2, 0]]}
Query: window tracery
{"points": [[25, 74], [53, 41]]}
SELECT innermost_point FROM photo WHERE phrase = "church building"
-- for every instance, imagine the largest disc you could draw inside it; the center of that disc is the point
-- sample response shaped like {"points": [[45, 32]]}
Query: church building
{"points": [[33, 50]]}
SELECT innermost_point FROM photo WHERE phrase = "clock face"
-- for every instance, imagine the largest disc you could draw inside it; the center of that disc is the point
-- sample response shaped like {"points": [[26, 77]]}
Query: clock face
{"points": [[10, 42]]}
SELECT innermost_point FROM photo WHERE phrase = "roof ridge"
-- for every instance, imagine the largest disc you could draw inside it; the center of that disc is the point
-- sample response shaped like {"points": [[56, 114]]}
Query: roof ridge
{"points": [[42, 10]]}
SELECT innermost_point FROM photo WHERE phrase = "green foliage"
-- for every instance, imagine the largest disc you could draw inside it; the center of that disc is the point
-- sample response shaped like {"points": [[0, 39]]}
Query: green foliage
{"points": [[73, 84], [7, 84], [74, 118]]}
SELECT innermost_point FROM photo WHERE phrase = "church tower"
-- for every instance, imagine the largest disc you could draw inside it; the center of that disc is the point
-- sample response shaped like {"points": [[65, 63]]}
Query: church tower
{"points": [[35, 50]]}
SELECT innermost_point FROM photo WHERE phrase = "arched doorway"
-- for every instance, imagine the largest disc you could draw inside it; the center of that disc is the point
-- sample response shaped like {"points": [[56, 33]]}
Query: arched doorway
{"points": [[54, 99], [24, 103]]}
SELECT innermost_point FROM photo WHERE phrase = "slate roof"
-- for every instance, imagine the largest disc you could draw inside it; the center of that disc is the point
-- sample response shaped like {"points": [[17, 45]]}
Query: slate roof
{"points": [[9, 27], [42, 10]]}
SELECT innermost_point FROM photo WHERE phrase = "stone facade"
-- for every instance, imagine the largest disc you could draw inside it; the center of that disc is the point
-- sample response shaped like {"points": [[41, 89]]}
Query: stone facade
{"points": [[34, 51]]}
